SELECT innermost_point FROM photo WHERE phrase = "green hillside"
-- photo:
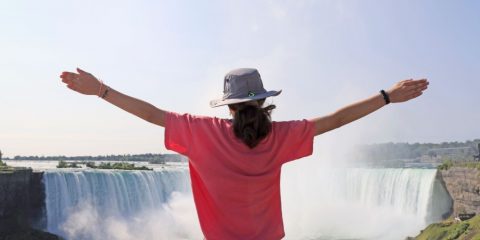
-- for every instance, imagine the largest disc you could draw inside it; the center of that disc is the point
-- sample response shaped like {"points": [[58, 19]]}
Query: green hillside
{"points": [[449, 230]]}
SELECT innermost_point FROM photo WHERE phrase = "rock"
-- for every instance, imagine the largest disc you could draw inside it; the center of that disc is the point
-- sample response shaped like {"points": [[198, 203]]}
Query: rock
{"points": [[30, 234], [22, 206], [463, 185]]}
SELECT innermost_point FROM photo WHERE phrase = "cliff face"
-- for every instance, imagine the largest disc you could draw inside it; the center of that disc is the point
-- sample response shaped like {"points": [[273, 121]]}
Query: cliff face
{"points": [[463, 184], [21, 201]]}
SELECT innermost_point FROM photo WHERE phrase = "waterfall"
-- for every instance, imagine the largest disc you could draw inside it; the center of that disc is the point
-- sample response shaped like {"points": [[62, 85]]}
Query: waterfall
{"points": [[323, 203], [361, 203], [100, 195]]}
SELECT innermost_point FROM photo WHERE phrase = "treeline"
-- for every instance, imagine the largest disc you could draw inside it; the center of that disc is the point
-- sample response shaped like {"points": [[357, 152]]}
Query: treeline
{"points": [[395, 151], [2, 165], [148, 157], [102, 165]]}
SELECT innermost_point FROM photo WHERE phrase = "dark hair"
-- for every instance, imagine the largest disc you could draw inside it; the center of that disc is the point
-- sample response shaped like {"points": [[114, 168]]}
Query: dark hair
{"points": [[251, 123]]}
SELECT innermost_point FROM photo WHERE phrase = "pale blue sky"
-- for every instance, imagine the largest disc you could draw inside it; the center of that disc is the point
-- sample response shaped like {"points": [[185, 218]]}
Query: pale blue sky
{"points": [[323, 54]]}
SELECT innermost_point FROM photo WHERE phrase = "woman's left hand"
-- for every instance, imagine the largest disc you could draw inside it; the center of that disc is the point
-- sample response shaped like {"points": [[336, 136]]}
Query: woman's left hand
{"points": [[407, 89]]}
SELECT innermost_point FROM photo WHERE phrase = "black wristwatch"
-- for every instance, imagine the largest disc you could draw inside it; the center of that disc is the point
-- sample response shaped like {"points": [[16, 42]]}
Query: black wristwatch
{"points": [[385, 96]]}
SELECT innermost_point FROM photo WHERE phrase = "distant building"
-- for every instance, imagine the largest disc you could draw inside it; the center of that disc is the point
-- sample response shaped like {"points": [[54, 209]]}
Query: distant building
{"points": [[474, 156], [174, 158], [436, 154], [452, 151], [168, 158]]}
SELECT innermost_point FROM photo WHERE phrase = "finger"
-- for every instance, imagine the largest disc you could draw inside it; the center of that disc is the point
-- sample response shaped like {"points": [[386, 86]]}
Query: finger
{"points": [[66, 80], [417, 87], [80, 71], [68, 73], [72, 86], [416, 82], [413, 93], [421, 87], [70, 76]]}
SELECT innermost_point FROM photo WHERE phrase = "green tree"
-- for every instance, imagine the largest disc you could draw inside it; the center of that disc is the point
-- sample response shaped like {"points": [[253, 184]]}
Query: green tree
{"points": [[91, 165], [2, 164], [62, 164]]}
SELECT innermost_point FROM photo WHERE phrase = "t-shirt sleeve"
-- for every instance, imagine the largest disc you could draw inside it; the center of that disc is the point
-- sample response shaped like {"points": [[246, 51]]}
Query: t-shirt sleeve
{"points": [[296, 139], [178, 132]]}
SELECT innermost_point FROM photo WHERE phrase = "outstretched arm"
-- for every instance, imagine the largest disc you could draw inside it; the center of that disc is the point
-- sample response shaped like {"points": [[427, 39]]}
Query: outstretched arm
{"points": [[400, 92], [85, 83]]}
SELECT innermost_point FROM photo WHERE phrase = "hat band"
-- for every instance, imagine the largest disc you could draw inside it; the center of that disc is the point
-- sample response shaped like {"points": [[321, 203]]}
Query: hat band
{"points": [[242, 95]]}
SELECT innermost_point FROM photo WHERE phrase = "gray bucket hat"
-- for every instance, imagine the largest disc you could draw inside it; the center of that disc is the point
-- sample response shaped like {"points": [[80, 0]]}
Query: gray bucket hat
{"points": [[242, 85]]}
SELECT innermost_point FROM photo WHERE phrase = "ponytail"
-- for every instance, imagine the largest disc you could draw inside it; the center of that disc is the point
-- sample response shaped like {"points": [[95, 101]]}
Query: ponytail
{"points": [[251, 123]]}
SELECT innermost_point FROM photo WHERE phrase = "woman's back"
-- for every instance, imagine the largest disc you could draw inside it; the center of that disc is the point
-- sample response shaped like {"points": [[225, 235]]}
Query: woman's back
{"points": [[236, 188]]}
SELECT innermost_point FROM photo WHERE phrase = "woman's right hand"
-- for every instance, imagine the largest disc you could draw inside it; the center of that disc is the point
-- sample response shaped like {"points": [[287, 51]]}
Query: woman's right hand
{"points": [[85, 83], [82, 82]]}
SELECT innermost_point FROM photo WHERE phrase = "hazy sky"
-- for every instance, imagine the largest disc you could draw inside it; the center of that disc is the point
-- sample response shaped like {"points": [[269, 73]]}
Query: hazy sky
{"points": [[174, 54]]}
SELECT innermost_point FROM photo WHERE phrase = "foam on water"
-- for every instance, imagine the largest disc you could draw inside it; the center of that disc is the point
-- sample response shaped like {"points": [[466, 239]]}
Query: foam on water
{"points": [[85, 204], [356, 203]]}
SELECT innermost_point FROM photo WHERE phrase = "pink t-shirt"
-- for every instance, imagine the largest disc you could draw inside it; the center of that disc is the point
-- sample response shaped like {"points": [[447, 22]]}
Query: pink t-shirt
{"points": [[237, 189]]}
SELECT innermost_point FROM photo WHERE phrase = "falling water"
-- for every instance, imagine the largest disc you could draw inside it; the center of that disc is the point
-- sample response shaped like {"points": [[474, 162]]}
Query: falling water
{"points": [[359, 203], [324, 204], [108, 194]]}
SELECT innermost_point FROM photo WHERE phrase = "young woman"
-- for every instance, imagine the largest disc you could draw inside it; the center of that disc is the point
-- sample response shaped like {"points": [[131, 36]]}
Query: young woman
{"points": [[235, 164]]}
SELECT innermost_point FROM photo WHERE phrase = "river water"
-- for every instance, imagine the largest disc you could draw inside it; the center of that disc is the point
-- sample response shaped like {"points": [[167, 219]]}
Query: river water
{"points": [[323, 203]]}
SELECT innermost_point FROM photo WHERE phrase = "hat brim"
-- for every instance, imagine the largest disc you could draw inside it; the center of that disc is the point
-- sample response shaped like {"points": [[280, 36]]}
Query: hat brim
{"points": [[220, 102]]}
